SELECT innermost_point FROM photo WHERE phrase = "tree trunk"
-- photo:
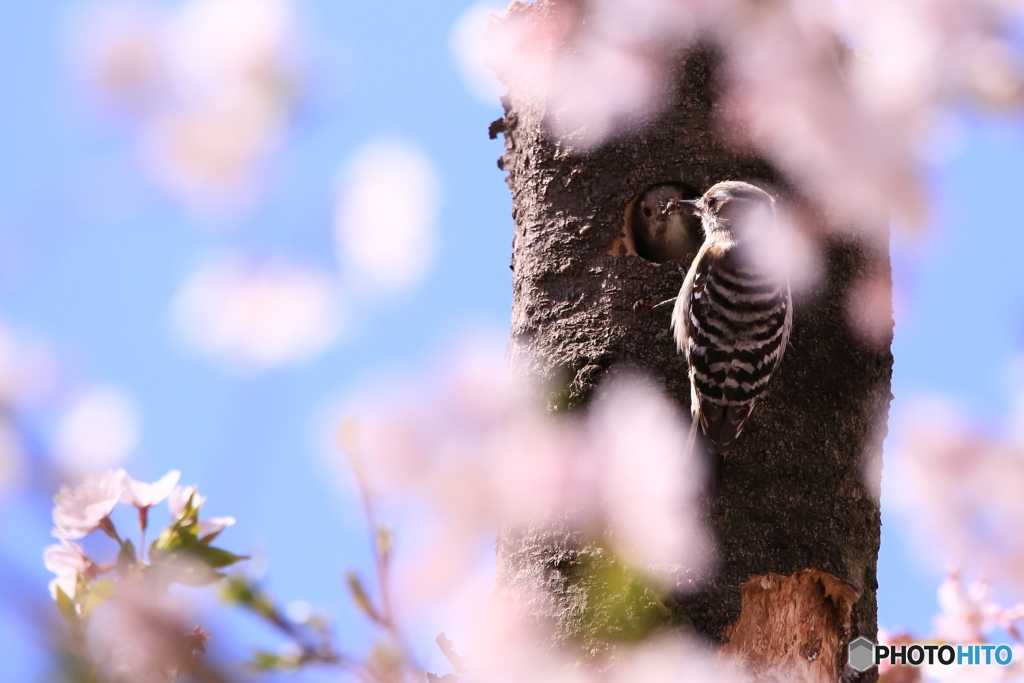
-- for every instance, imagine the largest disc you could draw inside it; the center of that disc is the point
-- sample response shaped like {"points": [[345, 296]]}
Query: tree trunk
{"points": [[795, 523]]}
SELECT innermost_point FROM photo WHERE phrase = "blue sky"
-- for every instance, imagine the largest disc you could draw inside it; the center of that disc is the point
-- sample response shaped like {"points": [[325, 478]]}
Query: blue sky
{"points": [[91, 256]]}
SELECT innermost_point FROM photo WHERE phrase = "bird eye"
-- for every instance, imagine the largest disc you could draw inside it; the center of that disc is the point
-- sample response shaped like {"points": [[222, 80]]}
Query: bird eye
{"points": [[712, 202], [647, 211]]}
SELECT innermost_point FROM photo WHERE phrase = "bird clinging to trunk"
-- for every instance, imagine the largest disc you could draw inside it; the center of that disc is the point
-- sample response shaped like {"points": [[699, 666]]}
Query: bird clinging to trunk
{"points": [[734, 313]]}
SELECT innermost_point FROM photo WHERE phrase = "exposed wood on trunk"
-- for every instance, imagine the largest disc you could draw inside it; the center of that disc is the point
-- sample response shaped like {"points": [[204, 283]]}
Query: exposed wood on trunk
{"points": [[792, 628]]}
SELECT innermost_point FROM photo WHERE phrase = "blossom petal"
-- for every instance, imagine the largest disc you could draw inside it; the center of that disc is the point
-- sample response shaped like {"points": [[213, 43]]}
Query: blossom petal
{"points": [[143, 495], [79, 510]]}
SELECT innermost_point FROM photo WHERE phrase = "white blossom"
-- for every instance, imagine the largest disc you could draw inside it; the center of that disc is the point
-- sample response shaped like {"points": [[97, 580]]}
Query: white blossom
{"points": [[98, 430], [967, 612], [474, 451], [144, 635], [67, 560], [143, 495], [80, 509], [178, 498], [214, 525], [214, 84], [386, 214], [258, 314]]}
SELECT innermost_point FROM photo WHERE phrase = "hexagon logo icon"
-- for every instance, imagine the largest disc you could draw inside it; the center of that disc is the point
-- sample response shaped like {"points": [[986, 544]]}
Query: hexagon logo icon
{"points": [[862, 654]]}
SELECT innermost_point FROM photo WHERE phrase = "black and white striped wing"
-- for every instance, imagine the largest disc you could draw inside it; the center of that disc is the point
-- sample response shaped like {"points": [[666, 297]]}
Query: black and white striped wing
{"points": [[736, 329]]}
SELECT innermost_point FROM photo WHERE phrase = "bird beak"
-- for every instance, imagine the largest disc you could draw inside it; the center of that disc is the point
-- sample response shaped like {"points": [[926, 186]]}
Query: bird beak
{"points": [[678, 205]]}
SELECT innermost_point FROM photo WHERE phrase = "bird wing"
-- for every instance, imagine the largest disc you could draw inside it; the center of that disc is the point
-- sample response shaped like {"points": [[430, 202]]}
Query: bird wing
{"points": [[690, 303], [693, 284], [726, 376], [787, 325]]}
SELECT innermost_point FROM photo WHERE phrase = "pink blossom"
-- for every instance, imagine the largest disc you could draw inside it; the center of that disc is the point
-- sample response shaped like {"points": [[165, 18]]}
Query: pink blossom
{"points": [[960, 488], [178, 498], [254, 314], [475, 450], [144, 635], [80, 509], [391, 249], [68, 561], [214, 84], [143, 495], [214, 525], [967, 612], [98, 429]]}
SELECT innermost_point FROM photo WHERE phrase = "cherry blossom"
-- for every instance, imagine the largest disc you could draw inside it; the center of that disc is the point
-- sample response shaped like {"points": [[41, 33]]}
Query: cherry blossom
{"points": [[386, 215], [178, 498], [254, 314], [143, 495], [98, 430], [215, 525], [968, 612], [81, 509], [67, 560]]}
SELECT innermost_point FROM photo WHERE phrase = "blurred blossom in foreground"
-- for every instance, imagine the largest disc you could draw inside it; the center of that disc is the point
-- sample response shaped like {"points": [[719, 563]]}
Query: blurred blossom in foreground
{"points": [[29, 376], [502, 658], [599, 66], [961, 488], [473, 450], [99, 429], [208, 151], [469, 52], [28, 370], [116, 49], [145, 635], [214, 85], [967, 615], [387, 207], [258, 314], [12, 457], [852, 128]]}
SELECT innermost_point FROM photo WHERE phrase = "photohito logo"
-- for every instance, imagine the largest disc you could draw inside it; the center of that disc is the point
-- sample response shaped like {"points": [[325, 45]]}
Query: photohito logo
{"points": [[864, 654]]}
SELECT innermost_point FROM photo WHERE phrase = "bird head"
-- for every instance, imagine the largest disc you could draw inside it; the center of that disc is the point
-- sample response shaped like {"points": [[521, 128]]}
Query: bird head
{"points": [[737, 209]]}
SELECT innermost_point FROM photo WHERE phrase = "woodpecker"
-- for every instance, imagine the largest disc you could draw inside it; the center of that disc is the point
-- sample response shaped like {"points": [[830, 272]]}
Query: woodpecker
{"points": [[734, 313]]}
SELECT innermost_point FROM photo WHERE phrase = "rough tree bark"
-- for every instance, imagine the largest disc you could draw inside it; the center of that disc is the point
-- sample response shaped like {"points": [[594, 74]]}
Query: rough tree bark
{"points": [[795, 525]]}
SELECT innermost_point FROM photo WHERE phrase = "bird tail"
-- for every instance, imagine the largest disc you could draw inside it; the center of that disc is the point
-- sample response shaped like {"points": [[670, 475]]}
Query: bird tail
{"points": [[715, 461]]}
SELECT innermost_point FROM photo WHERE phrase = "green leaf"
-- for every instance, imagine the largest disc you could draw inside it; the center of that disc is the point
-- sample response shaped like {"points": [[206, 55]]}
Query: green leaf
{"points": [[198, 579], [181, 534], [185, 567], [262, 660], [238, 591], [217, 558], [100, 592], [361, 597], [67, 607], [126, 558]]}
